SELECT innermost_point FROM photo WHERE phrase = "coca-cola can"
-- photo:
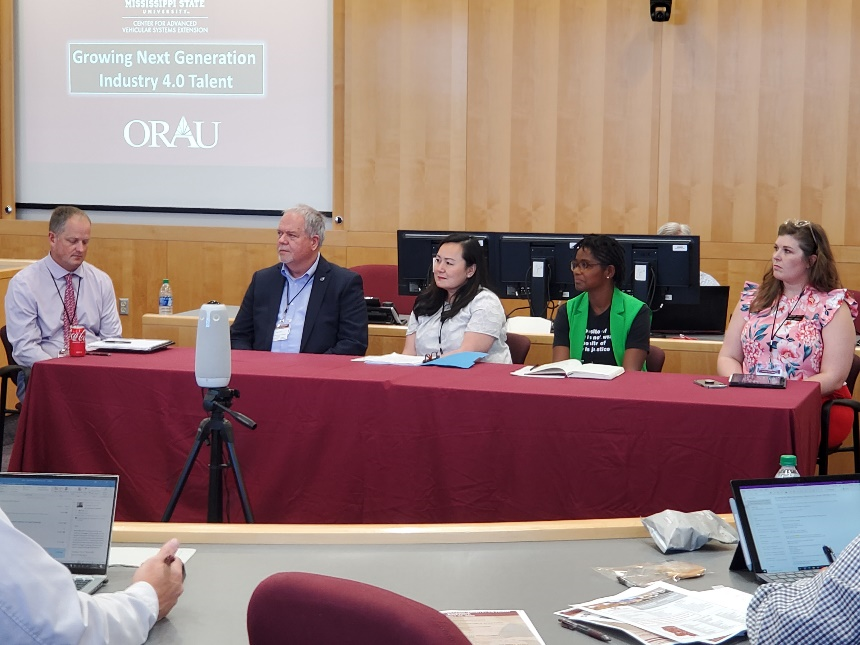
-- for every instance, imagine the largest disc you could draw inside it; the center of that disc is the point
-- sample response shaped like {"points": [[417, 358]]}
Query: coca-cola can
{"points": [[77, 340]]}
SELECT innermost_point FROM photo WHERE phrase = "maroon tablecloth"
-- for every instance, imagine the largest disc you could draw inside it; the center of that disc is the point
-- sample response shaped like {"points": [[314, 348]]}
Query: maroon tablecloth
{"points": [[346, 442]]}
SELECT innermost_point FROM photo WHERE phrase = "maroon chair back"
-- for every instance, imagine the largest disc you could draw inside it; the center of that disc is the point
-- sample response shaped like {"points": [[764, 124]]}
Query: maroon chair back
{"points": [[310, 609], [380, 281], [519, 346]]}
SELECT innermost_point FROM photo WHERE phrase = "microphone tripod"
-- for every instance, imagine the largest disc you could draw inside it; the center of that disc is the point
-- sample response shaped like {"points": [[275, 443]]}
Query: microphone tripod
{"points": [[218, 432]]}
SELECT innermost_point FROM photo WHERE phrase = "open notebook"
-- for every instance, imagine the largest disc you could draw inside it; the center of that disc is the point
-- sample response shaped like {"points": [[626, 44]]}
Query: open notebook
{"points": [[785, 524], [70, 516]]}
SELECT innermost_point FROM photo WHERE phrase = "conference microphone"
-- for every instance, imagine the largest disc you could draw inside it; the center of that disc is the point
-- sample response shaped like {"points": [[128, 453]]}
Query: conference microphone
{"points": [[212, 366]]}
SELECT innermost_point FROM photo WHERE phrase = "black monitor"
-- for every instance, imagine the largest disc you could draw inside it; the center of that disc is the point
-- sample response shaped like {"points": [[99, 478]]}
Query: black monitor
{"points": [[661, 268], [415, 252], [536, 267]]}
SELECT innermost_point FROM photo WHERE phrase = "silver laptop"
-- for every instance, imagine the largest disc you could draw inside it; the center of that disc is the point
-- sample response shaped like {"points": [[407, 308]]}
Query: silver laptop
{"points": [[787, 525], [70, 516]]}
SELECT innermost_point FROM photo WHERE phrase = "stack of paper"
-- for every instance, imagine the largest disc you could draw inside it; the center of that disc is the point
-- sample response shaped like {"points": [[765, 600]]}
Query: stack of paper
{"points": [[663, 614], [459, 359]]}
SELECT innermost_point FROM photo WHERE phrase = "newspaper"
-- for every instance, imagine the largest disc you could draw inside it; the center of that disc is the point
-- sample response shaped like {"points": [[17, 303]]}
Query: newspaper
{"points": [[495, 626], [661, 614]]}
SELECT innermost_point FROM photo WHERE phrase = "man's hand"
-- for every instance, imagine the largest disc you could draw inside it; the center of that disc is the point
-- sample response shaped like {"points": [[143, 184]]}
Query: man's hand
{"points": [[165, 573]]}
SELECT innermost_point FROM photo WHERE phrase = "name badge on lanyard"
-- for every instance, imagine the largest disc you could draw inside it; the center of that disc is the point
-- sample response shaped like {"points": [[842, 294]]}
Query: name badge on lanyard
{"points": [[282, 330]]}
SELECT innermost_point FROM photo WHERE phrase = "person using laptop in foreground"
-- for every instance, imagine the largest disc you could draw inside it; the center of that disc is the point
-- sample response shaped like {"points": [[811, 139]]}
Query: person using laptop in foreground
{"points": [[821, 610], [39, 602], [798, 322], [46, 298], [457, 312], [602, 324]]}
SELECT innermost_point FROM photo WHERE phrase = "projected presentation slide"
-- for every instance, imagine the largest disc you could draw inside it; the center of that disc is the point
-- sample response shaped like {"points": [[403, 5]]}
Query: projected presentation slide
{"points": [[174, 103]]}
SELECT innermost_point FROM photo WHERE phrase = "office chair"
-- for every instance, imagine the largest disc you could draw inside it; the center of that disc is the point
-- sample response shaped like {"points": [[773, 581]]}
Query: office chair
{"points": [[824, 450], [380, 281], [655, 359], [308, 609], [7, 373], [519, 346]]}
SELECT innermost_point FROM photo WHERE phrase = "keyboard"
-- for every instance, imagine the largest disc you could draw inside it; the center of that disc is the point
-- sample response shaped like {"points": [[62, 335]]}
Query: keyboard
{"points": [[82, 581], [792, 576]]}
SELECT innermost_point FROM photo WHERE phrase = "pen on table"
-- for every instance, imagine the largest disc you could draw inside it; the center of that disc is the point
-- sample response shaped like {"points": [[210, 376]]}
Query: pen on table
{"points": [[124, 342], [585, 629], [98, 353], [828, 552]]}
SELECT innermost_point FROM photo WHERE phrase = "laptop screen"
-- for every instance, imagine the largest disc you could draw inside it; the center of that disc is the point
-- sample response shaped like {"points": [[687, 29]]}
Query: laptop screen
{"points": [[70, 516], [707, 317], [787, 522]]}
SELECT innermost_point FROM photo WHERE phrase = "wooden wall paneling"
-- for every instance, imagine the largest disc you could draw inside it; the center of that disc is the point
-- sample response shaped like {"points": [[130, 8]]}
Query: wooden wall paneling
{"points": [[563, 105], [404, 123], [7, 110]]}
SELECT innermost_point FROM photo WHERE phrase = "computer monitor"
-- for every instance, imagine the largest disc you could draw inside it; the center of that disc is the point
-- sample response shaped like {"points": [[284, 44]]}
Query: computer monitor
{"points": [[661, 268], [415, 252], [536, 267]]}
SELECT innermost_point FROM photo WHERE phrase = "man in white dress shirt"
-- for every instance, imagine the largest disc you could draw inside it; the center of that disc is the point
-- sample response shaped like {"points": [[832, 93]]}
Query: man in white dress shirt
{"points": [[46, 298], [39, 602]]}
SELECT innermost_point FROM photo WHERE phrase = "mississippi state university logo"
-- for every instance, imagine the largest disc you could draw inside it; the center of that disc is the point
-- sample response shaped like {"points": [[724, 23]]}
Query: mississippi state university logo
{"points": [[160, 134]]}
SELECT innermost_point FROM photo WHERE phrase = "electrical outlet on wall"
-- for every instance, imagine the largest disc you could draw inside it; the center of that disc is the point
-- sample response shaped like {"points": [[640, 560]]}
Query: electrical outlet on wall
{"points": [[123, 306]]}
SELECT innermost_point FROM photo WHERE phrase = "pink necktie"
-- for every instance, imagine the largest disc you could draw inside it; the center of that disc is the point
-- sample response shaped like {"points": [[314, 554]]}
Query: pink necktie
{"points": [[70, 315]]}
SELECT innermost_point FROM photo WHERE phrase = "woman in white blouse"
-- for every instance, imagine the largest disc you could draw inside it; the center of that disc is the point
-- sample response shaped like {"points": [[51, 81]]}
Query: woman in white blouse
{"points": [[456, 312]]}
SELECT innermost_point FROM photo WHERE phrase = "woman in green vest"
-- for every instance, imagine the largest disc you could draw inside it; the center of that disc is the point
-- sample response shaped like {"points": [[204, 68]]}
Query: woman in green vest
{"points": [[602, 324]]}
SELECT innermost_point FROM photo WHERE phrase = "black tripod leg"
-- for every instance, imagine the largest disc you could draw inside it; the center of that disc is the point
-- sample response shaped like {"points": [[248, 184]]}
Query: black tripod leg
{"points": [[215, 512], [202, 434], [240, 483]]}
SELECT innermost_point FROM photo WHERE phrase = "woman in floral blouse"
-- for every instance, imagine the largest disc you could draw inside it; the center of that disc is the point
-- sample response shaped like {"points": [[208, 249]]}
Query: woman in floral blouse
{"points": [[794, 323]]}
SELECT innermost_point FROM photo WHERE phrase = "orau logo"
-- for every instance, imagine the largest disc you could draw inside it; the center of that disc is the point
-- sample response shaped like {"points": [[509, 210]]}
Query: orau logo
{"points": [[157, 134]]}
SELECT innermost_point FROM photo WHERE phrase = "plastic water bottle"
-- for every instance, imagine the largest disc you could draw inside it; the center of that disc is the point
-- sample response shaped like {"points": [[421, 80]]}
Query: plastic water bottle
{"points": [[787, 467], [165, 299]]}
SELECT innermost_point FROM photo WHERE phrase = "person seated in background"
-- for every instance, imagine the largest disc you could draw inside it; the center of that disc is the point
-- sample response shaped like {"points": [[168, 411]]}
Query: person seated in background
{"points": [[602, 324], [822, 609], [456, 312], [39, 602], [46, 298], [304, 303], [798, 322], [674, 228]]}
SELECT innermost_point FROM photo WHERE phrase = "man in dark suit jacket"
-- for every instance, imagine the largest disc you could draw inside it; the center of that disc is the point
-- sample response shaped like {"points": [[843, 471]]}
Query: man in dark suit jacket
{"points": [[321, 303]]}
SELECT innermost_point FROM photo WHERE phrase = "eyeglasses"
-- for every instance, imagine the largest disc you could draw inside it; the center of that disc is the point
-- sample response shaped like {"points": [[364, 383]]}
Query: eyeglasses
{"points": [[583, 265], [801, 223]]}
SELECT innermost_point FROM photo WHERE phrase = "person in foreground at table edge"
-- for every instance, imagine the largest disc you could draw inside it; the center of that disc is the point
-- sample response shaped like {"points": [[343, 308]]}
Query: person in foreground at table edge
{"points": [[602, 324], [823, 610], [304, 304], [674, 228], [794, 324], [60, 290], [456, 312], [39, 602]]}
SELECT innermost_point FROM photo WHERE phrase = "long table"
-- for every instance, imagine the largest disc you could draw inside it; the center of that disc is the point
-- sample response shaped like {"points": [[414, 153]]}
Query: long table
{"points": [[344, 442], [537, 567]]}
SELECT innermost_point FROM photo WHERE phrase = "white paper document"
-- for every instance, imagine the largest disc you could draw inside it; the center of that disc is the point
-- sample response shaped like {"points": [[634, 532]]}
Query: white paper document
{"points": [[133, 556], [390, 359], [495, 626], [143, 345]]}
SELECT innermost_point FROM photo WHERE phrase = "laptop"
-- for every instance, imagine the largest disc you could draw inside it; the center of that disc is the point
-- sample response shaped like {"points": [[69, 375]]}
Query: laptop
{"points": [[707, 317], [785, 524], [70, 516], [138, 345]]}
